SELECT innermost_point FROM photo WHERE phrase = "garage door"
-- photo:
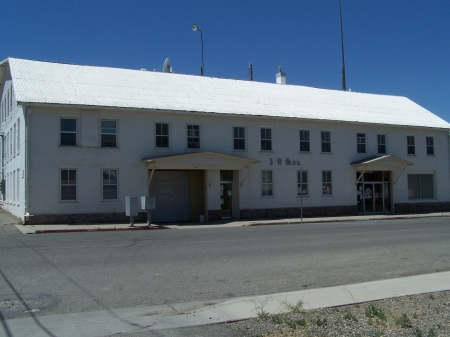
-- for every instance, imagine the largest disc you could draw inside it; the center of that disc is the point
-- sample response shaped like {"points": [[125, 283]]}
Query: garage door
{"points": [[171, 191]]}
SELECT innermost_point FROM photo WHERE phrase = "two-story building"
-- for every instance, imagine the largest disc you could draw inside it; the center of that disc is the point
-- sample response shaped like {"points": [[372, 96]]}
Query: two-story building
{"points": [[77, 139]]}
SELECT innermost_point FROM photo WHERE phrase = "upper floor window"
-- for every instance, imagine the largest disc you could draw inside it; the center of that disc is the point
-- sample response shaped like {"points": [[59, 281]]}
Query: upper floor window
{"points": [[193, 136], [109, 182], [302, 183], [304, 141], [381, 139], [18, 136], [68, 184], [109, 133], [411, 145], [68, 135], [239, 138], [430, 146], [361, 142], [162, 135], [326, 183], [326, 141], [266, 139]]}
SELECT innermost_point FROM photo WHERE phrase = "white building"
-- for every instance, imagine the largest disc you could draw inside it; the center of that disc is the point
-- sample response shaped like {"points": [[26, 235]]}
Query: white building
{"points": [[77, 139]]}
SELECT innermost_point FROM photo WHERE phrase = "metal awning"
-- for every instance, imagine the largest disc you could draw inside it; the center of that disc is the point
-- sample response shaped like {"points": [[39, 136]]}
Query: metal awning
{"points": [[387, 160], [200, 161], [380, 163]]}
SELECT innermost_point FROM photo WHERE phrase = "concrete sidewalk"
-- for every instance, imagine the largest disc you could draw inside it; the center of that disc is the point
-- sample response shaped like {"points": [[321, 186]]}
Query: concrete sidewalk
{"points": [[60, 228], [178, 315]]}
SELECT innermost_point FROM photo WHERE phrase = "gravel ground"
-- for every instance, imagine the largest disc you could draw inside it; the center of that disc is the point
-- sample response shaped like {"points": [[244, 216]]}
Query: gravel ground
{"points": [[425, 315]]}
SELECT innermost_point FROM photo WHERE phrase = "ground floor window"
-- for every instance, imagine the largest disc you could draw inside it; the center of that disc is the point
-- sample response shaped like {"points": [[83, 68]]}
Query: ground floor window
{"points": [[68, 184], [421, 186], [302, 183], [109, 184], [326, 183], [267, 183]]}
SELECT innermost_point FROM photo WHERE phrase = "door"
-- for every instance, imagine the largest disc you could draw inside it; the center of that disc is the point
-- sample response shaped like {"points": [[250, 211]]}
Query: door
{"points": [[226, 190]]}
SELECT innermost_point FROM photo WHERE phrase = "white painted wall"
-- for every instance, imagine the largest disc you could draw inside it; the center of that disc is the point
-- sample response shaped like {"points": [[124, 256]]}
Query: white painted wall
{"points": [[12, 149], [136, 141]]}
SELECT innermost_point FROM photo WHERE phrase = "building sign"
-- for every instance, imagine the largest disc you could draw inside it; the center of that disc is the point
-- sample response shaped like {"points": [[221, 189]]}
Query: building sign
{"points": [[287, 162], [166, 195]]}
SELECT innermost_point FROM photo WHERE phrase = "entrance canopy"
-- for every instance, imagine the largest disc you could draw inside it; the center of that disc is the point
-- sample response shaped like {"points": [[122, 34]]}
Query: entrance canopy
{"points": [[200, 161], [380, 163]]}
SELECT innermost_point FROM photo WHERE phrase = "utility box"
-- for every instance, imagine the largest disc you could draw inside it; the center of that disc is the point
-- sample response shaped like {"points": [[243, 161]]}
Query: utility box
{"points": [[131, 206], [148, 203]]}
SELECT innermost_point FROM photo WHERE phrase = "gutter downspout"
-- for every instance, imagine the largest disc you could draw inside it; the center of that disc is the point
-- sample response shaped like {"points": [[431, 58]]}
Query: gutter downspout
{"points": [[27, 112]]}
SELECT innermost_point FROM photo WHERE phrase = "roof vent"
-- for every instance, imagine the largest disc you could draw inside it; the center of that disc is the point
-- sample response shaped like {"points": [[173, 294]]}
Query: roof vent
{"points": [[281, 77]]}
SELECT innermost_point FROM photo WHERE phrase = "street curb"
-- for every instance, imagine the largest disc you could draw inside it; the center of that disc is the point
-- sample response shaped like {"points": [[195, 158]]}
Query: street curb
{"points": [[310, 220], [48, 231]]}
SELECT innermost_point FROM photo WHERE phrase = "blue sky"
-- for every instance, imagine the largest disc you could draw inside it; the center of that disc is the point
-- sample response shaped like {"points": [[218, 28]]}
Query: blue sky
{"points": [[395, 47]]}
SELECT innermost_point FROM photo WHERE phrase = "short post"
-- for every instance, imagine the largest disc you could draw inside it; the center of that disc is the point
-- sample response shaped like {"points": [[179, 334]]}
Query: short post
{"points": [[149, 218], [301, 194]]}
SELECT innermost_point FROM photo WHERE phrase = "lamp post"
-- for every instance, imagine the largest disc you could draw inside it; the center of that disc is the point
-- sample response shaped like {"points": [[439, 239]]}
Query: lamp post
{"points": [[196, 28]]}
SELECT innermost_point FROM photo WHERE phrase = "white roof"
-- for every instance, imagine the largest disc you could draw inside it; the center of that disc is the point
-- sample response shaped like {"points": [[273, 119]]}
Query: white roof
{"points": [[37, 82]]}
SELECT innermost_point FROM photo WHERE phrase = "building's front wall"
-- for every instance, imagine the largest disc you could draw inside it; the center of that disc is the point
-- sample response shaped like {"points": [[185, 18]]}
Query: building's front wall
{"points": [[136, 141], [12, 148]]}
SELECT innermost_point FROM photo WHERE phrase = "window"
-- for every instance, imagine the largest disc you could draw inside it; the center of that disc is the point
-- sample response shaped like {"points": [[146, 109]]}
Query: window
{"points": [[14, 140], [109, 134], [411, 145], [109, 184], [266, 139], [302, 183], [304, 141], [326, 183], [430, 146], [68, 184], [326, 141], [239, 138], [68, 132], [267, 183], [381, 139], [162, 135], [17, 186], [193, 136], [18, 136], [361, 142], [421, 186]]}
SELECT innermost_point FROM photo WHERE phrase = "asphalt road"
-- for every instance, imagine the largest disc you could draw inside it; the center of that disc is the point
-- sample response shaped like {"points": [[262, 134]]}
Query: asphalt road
{"points": [[74, 272]]}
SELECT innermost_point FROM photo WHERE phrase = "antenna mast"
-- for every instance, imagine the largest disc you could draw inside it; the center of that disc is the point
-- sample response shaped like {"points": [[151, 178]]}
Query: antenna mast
{"points": [[250, 68], [344, 85]]}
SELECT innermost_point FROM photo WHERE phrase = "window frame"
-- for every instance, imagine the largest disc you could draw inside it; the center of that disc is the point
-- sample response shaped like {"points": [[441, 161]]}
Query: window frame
{"points": [[116, 184], [239, 139], [380, 144], [325, 142], [162, 136], [267, 140], [61, 131], [411, 148], [265, 184], [61, 184], [301, 184], [430, 147], [361, 146], [115, 134], [305, 142], [198, 137], [327, 179], [421, 178]]}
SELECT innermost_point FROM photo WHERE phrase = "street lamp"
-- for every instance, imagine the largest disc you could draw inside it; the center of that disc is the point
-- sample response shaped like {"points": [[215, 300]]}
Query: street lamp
{"points": [[195, 28]]}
